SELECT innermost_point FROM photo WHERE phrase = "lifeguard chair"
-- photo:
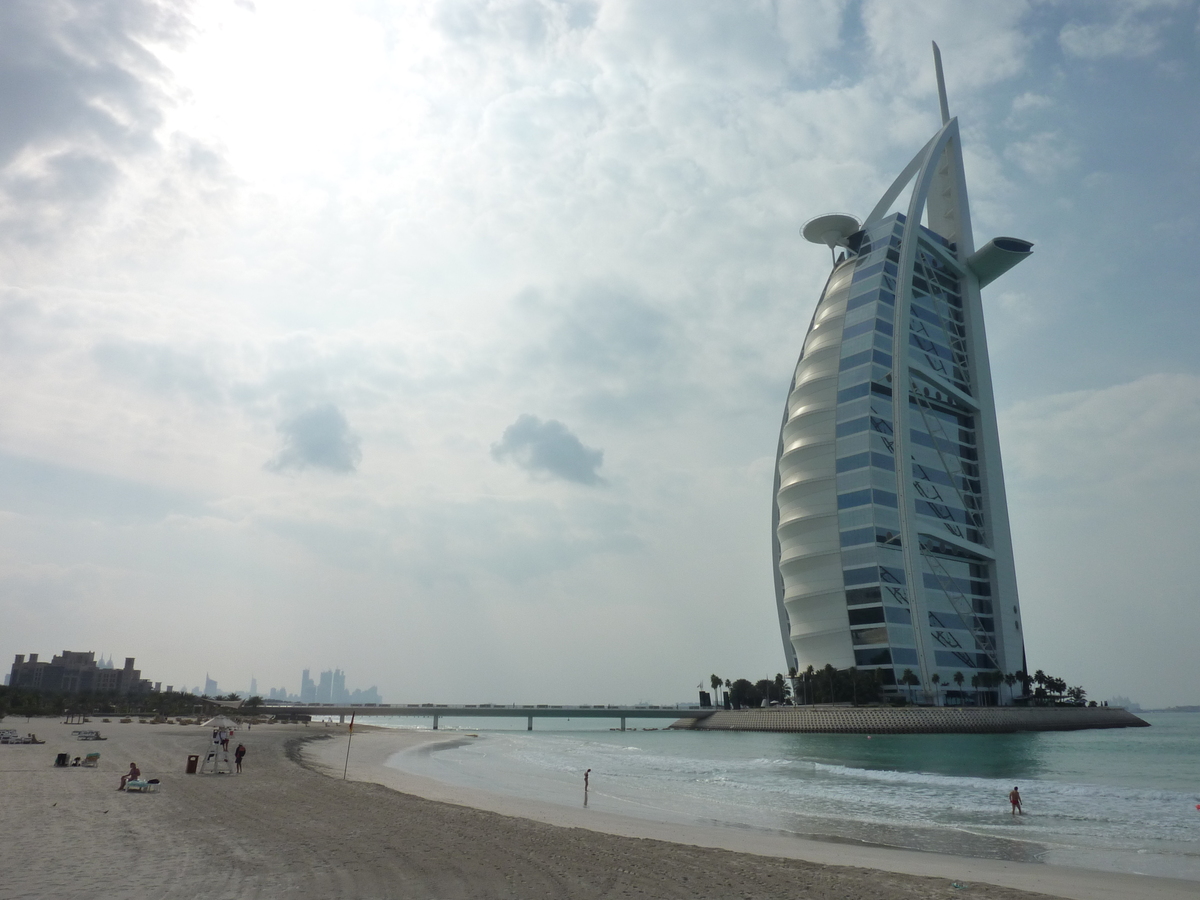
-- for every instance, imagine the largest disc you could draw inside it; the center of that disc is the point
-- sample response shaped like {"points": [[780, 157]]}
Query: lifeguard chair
{"points": [[216, 759], [216, 762]]}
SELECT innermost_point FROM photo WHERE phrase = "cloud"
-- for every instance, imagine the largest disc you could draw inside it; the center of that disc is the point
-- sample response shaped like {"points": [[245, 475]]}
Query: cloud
{"points": [[548, 448], [1132, 32], [606, 347], [81, 92], [319, 438], [1101, 487], [37, 488], [158, 367]]}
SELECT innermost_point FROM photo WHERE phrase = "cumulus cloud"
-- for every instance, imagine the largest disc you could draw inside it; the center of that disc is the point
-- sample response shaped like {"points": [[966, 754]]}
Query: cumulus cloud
{"points": [[1133, 30], [548, 448], [318, 438], [81, 93]]}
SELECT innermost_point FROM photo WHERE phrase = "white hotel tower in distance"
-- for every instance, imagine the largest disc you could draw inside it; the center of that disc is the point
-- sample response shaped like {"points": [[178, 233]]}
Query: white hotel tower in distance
{"points": [[891, 538]]}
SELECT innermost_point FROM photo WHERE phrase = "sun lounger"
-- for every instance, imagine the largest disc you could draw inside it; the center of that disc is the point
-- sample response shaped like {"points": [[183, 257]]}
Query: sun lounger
{"points": [[144, 787], [14, 738], [92, 760]]}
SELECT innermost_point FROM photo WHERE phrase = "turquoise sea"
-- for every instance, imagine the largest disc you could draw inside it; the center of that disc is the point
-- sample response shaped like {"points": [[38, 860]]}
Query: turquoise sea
{"points": [[1122, 800]]}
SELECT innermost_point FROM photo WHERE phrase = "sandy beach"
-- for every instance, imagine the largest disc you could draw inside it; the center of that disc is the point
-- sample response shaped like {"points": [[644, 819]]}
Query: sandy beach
{"points": [[289, 826]]}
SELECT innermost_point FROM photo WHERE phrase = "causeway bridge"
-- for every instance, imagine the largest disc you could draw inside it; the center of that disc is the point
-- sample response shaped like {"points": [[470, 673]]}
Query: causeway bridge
{"points": [[439, 711]]}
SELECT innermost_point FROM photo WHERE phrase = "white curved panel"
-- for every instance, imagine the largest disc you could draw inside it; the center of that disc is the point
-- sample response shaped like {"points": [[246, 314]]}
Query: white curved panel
{"points": [[817, 497], [813, 461], [809, 536]]}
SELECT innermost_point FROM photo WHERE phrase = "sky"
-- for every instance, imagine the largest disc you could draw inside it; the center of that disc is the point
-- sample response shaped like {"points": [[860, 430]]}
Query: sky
{"points": [[447, 343]]}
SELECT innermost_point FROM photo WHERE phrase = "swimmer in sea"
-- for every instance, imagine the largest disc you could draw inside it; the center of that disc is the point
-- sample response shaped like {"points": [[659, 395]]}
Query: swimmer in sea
{"points": [[1014, 797]]}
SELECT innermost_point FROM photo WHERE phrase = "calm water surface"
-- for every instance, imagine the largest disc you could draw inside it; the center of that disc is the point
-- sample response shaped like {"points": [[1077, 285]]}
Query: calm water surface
{"points": [[1122, 800]]}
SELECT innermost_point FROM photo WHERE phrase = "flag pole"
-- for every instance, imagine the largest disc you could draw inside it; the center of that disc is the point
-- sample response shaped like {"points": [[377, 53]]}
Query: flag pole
{"points": [[348, 740]]}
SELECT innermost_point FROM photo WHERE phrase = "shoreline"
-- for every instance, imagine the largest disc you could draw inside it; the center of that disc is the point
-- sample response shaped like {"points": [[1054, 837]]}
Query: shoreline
{"points": [[289, 826], [371, 751]]}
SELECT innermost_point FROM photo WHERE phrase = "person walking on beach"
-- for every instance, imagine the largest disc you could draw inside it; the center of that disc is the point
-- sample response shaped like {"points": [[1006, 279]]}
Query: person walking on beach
{"points": [[133, 774], [586, 775], [238, 754], [1014, 797]]}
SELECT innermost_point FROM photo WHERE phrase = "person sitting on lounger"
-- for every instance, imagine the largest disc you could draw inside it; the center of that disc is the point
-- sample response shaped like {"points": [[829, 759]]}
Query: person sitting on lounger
{"points": [[133, 774]]}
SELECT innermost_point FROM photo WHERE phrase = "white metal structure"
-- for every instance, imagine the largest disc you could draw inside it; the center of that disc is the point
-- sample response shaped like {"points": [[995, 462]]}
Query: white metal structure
{"points": [[892, 548]]}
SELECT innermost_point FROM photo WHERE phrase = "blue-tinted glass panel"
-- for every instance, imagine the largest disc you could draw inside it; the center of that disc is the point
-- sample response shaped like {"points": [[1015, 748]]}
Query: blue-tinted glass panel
{"points": [[854, 498], [855, 330], [860, 300], [859, 596], [903, 656], [881, 657], [853, 393], [860, 576], [858, 536], [854, 426], [962, 585], [897, 615], [858, 359], [857, 461], [868, 616]]}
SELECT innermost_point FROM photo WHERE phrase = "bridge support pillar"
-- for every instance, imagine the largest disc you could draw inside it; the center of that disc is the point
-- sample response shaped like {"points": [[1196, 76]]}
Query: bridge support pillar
{"points": [[529, 724], [435, 721], [622, 723], [342, 719]]}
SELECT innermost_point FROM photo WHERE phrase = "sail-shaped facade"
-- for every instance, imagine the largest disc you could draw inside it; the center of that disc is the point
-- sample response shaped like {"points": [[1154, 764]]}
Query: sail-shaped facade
{"points": [[892, 548]]}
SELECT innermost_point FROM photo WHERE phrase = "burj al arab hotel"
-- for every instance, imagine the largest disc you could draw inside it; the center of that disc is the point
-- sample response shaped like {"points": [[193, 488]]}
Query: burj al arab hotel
{"points": [[891, 537]]}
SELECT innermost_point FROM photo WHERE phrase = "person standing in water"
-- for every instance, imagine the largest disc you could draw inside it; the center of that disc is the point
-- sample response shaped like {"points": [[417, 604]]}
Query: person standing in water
{"points": [[1014, 797]]}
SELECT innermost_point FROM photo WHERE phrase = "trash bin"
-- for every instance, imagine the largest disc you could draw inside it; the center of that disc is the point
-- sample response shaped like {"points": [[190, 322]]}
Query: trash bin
{"points": [[62, 760], [193, 761]]}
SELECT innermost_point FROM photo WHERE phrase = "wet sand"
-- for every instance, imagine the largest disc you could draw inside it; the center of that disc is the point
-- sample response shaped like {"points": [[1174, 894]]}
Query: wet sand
{"points": [[290, 827]]}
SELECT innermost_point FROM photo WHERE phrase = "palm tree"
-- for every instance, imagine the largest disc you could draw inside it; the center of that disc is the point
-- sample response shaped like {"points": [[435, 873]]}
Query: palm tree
{"points": [[715, 681], [1010, 679], [830, 672], [910, 680], [937, 680], [958, 680], [808, 682]]}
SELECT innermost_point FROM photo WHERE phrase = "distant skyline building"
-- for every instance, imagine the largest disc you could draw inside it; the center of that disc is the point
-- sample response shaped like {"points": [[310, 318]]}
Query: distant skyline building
{"points": [[891, 542], [325, 688], [331, 688]]}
